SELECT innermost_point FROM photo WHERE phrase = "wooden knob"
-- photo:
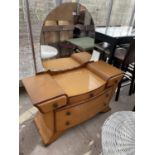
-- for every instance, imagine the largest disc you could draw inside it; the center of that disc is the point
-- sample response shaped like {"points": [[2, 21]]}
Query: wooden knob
{"points": [[115, 81], [55, 105], [91, 95], [107, 95], [68, 113], [67, 123]]}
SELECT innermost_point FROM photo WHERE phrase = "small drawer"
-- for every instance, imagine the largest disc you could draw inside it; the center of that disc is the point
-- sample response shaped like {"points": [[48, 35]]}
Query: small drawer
{"points": [[73, 115], [79, 98], [52, 104]]}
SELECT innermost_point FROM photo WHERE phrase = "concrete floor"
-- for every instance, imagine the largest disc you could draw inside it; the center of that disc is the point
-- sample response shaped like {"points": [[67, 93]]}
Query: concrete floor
{"points": [[84, 139]]}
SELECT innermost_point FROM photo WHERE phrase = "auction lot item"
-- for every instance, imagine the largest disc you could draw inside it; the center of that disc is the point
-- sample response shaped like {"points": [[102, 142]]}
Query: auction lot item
{"points": [[71, 91]]}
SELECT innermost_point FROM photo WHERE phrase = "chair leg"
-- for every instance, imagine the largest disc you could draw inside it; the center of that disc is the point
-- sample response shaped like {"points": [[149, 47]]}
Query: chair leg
{"points": [[131, 90], [118, 91], [103, 57]]}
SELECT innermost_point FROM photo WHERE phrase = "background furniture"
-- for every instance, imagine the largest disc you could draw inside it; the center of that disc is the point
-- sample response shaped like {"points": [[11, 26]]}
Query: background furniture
{"points": [[114, 36], [68, 21], [67, 34], [126, 62], [48, 36], [104, 50], [71, 91], [48, 52], [83, 43], [128, 79], [118, 134]]}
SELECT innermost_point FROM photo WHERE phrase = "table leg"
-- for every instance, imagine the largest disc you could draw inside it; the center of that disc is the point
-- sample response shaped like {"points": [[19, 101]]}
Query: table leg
{"points": [[112, 51]]}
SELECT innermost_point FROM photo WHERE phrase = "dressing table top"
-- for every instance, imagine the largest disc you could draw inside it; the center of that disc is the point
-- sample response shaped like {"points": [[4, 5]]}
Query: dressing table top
{"points": [[78, 81]]}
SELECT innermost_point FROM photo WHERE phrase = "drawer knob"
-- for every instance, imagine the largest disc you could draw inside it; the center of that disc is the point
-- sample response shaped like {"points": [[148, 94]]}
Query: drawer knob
{"points": [[115, 81], [55, 105], [68, 113], [107, 95], [91, 95], [67, 123]]}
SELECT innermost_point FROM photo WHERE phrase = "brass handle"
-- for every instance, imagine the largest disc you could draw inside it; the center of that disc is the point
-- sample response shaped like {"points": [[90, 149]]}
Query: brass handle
{"points": [[67, 123], [68, 113], [55, 105]]}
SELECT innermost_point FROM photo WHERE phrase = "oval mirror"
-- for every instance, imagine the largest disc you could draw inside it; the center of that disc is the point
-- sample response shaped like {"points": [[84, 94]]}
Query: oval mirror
{"points": [[67, 29]]}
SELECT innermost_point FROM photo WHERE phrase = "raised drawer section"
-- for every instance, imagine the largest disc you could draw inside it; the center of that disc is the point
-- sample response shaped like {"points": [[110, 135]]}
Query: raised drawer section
{"points": [[109, 73], [73, 115], [52, 104], [79, 98], [114, 81]]}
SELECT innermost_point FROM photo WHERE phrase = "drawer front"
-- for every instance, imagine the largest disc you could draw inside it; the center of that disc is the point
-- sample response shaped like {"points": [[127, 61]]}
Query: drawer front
{"points": [[114, 81], [79, 98], [73, 115], [52, 104]]}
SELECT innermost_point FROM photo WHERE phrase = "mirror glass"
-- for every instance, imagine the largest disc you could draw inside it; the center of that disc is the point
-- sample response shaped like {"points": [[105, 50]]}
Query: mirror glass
{"points": [[67, 29]]}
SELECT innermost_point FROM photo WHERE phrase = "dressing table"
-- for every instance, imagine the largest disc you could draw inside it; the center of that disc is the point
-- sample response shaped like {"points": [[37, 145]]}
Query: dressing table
{"points": [[72, 89], [67, 97]]}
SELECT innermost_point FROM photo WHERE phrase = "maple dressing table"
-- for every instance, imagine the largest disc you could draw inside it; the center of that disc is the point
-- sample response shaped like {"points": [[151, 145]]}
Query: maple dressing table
{"points": [[71, 91]]}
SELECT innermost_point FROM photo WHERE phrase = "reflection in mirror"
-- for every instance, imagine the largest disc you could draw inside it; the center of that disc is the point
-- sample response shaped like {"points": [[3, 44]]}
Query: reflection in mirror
{"points": [[67, 29]]}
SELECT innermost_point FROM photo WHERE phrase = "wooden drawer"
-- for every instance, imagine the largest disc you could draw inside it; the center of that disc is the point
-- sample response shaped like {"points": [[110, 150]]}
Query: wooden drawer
{"points": [[79, 98], [73, 115], [52, 104]]}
